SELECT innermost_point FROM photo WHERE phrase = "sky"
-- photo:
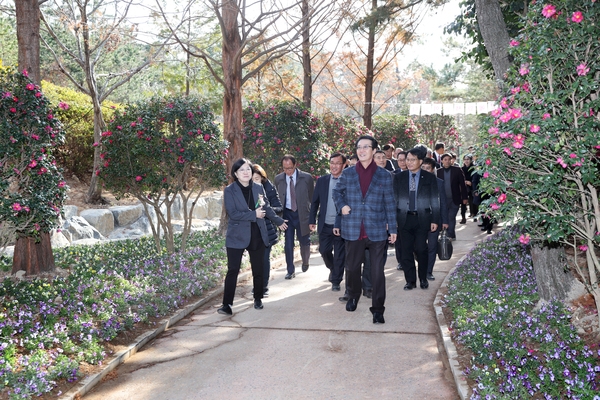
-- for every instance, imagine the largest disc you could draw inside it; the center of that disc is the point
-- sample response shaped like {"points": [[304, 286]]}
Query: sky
{"points": [[428, 49]]}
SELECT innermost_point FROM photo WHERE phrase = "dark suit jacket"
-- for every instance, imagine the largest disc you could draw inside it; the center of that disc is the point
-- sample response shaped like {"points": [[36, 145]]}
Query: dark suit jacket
{"points": [[320, 201], [428, 199], [376, 210], [240, 216], [443, 206], [305, 186], [457, 183]]}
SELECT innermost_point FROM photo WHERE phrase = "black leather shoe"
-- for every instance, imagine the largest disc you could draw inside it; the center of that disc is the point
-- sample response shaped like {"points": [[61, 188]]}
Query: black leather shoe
{"points": [[344, 298], [410, 286], [489, 232], [351, 304], [258, 304], [399, 267], [290, 276], [463, 221], [368, 293], [378, 318], [424, 284], [430, 277], [335, 288], [225, 310], [304, 267], [484, 229]]}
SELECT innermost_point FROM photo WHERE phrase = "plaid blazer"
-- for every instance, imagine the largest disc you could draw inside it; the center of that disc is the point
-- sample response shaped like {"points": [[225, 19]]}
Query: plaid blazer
{"points": [[377, 210]]}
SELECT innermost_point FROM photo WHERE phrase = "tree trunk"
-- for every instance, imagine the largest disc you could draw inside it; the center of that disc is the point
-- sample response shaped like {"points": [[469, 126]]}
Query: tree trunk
{"points": [[369, 76], [33, 258], [306, 62], [553, 280], [495, 35], [232, 93], [28, 37]]}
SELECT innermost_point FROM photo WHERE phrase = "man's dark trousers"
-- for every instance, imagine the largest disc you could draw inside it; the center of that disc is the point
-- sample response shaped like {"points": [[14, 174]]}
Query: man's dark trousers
{"points": [[355, 252], [291, 232], [333, 251], [414, 240]]}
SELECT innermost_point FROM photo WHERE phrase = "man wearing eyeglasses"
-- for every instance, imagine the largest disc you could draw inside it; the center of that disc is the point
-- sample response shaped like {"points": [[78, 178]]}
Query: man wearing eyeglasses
{"points": [[418, 213], [331, 244], [295, 189], [364, 198]]}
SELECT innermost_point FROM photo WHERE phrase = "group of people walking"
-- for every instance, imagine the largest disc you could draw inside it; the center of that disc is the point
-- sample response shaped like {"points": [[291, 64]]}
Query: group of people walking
{"points": [[377, 199]]}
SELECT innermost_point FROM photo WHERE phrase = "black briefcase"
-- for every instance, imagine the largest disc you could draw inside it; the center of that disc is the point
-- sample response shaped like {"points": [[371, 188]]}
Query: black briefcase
{"points": [[444, 249]]}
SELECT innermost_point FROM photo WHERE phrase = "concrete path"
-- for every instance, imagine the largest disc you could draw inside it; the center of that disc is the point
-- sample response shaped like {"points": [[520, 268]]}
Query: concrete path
{"points": [[302, 345]]}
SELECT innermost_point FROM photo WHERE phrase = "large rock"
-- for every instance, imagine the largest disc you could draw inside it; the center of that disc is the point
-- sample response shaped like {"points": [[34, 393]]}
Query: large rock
{"points": [[58, 239], [126, 215], [78, 228], [102, 220], [70, 211], [215, 206]]}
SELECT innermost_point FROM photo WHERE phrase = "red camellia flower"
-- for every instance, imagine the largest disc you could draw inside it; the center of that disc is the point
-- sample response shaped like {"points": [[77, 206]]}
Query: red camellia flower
{"points": [[30, 86], [206, 137], [138, 178]]}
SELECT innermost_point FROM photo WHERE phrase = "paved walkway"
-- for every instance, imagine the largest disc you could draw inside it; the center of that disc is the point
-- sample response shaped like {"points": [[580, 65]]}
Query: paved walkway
{"points": [[302, 345]]}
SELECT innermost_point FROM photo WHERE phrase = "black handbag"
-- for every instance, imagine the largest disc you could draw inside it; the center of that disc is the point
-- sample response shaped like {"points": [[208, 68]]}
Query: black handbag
{"points": [[444, 249]]}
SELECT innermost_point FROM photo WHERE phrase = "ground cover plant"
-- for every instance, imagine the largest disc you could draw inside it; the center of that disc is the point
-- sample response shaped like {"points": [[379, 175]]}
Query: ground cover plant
{"points": [[50, 327], [518, 350]]}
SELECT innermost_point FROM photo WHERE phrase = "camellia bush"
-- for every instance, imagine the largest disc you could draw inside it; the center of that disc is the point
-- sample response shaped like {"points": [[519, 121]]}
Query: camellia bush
{"points": [[271, 131], [398, 130], [162, 151], [341, 132], [542, 156], [31, 185], [434, 128]]}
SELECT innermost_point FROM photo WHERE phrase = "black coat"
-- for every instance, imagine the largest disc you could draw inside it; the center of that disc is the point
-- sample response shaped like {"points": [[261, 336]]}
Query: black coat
{"points": [[273, 197]]}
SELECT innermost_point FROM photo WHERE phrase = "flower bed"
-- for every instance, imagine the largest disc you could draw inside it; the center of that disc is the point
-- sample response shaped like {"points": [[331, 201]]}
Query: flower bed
{"points": [[49, 327], [518, 351]]}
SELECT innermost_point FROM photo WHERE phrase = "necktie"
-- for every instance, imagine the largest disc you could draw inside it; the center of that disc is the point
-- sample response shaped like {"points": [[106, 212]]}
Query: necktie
{"points": [[412, 193], [293, 205]]}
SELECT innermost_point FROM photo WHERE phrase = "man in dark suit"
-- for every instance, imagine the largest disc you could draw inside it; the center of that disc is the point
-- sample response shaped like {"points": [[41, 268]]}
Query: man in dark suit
{"points": [[432, 238], [401, 159], [418, 213], [455, 191], [331, 244], [365, 199], [295, 189], [439, 151]]}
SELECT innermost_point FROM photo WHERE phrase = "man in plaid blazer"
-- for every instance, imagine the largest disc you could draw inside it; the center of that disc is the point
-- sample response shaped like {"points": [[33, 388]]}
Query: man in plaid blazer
{"points": [[365, 199]]}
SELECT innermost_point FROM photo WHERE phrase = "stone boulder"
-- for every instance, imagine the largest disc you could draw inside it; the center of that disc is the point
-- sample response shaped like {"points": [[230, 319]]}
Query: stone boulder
{"points": [[103, 220], [70, 211], [126, 215], [78, 228]]}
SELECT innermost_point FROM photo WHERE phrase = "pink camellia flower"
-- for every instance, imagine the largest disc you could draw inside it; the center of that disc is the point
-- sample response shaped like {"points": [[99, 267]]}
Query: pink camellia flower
{"points": [[493, 130], [524, 69], [572, 155], [35, 137], [61, 184], [508, 151], [505, 117], [545, 116], [180, 160], [42, 170], [133, 124], [494, 206], [13, 110], [524, 239], [560, 162], [519, 141], [488, 161], [38, 94], [582, 69], [30, 86], [50, 116], [515, 90], [577, 17], [525, 87], [548, 11], [25, 73], [17, 207], [514, 43], [502, 198], [486, 174], [504, 102], [496, 112], [256, 116], [206, 137], [63, 106], [533, 128], [32, 164], [516, 113], [583, 247], [138, 178], [498, 142]]}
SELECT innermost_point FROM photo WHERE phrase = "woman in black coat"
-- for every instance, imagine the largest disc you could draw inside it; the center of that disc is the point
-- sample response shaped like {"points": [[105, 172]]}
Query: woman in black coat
{"points": [[260, 176], [246, 231]]}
